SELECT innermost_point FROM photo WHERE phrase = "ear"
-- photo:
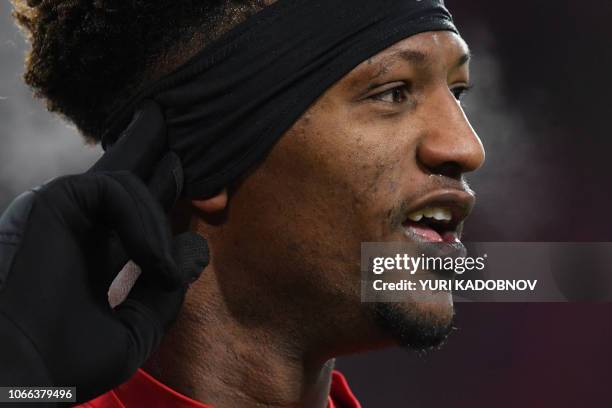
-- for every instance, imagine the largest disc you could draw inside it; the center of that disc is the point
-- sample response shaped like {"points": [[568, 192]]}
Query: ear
{"points": [[212, 205]]}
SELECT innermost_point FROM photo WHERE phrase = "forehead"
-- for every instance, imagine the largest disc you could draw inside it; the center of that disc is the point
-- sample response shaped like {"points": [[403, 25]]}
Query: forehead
{"points": [[440, 49]]}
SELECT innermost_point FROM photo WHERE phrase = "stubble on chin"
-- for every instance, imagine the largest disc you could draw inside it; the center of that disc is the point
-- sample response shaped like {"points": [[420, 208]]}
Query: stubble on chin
{"points": [[415, 326]]}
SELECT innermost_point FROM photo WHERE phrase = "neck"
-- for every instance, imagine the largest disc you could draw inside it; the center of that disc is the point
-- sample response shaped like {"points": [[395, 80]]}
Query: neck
{"points": [[215, 357]]}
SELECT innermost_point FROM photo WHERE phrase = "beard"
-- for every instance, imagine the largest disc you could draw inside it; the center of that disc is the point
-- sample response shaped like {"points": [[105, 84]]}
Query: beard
{"points": [[415, 330]]}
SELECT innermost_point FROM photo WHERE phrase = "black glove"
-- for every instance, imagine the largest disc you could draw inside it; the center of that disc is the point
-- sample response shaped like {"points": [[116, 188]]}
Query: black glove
{"points": [[62, 244]]}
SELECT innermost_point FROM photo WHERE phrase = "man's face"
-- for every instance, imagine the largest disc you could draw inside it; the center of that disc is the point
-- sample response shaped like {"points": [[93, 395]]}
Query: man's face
{"points": [[388, 140]]}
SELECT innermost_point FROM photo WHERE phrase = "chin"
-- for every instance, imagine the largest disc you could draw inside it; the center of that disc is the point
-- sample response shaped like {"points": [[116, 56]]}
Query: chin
{"points": [[420, 324]]}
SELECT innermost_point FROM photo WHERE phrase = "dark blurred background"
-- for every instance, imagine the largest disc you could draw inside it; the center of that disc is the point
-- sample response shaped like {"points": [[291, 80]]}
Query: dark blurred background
{"points": [[542, 104]]}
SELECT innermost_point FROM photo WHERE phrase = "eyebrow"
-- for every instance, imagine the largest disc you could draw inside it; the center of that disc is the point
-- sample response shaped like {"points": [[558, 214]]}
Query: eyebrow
{"points": [[464, 59], [415, 57], [420, 58]]}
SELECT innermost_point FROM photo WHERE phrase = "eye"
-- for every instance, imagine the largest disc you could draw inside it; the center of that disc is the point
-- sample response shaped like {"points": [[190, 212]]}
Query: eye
{"points": [[396, 95], [460, 91]]}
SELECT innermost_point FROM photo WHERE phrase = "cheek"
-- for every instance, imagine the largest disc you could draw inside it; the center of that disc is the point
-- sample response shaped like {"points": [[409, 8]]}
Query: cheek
{"points": [[333, 174], [298, 203], [327, 186], [359, 169]]}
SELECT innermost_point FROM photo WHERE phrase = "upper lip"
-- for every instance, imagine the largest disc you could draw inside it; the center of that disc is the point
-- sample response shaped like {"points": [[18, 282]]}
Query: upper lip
{"points": [[459, 202]]}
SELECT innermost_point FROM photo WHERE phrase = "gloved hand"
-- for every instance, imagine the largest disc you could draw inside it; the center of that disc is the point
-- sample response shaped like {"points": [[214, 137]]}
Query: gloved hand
{"points": [[62, 244]]}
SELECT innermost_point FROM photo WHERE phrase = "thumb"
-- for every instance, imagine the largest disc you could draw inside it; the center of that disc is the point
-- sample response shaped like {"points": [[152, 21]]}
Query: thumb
{"points": [[141, 145], [165, 185], [149, 310]]}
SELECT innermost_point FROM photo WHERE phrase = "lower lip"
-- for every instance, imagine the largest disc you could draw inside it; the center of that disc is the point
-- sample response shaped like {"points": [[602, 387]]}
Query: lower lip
{"points": [[426, 234]]}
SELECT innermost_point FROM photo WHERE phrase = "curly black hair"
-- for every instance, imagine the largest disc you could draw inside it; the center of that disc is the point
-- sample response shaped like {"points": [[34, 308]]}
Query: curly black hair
{"points": [[88, 56]]}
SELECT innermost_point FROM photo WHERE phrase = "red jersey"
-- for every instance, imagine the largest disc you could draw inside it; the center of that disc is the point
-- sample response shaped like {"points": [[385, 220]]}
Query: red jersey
{"points": [[142, 390]]}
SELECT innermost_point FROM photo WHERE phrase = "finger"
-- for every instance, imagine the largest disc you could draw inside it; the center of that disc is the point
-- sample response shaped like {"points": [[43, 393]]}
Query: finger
{"points": [[140, 146], [149, 311], [166, 184], [138, 150], [126, 206], [191, 254]]}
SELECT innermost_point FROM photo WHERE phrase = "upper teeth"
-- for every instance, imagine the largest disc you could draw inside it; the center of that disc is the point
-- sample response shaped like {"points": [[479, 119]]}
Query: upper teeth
{"points": [[437, 213]]}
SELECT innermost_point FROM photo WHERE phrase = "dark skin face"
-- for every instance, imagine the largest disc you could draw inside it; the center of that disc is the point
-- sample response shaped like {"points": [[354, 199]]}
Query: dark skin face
{"points": [[283, 290]]}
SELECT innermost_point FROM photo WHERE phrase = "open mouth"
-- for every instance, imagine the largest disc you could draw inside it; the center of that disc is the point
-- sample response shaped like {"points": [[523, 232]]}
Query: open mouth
{"points": [[439, 218]]}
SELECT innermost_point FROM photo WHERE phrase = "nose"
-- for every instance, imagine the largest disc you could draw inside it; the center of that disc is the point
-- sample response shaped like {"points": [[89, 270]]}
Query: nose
{"points": [[449, 146]]}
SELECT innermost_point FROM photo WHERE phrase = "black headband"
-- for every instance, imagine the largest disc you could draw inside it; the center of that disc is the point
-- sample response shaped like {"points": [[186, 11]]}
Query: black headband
{"points": [[227, 107]]}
